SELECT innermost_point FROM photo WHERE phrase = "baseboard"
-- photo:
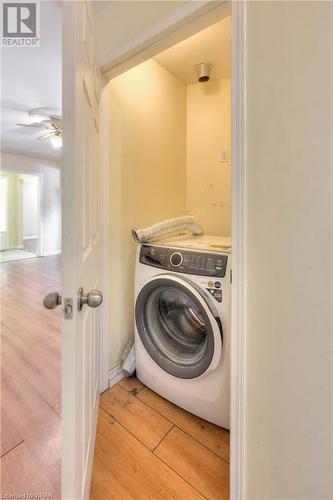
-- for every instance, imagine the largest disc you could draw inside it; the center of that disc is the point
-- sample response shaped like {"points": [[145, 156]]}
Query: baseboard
{"points": [[52, 252], [13, 247], [115, 375]]}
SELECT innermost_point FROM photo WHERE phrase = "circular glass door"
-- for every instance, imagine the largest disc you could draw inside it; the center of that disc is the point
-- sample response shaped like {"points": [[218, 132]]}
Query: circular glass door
{"points": [[175, 328]]}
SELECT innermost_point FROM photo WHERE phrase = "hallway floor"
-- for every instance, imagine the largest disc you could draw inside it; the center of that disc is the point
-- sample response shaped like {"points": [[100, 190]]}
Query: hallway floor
{"points": [[30, 378], [10, 255], [148, 448]]}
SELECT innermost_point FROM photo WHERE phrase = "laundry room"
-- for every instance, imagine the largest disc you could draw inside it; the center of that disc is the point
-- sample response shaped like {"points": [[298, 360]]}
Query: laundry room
{"points": [[169, 148]]}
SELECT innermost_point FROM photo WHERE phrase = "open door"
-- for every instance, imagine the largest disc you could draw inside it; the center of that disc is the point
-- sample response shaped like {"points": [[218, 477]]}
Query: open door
{"points": [[81, 327]]}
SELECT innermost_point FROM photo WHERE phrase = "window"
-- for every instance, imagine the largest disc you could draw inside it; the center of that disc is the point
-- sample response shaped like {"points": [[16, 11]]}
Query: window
{"points": [[3, 203]]}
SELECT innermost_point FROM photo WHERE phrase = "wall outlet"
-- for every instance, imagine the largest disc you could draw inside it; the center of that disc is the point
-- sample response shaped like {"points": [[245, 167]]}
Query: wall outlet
{"points": [[224, 156]]}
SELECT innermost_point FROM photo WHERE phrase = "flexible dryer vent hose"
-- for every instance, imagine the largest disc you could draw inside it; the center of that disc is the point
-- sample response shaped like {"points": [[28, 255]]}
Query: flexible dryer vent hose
{"points": [[176, 225]]}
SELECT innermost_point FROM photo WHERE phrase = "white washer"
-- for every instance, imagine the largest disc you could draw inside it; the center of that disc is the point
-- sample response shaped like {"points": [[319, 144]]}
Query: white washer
{"points": [[182, 323]]}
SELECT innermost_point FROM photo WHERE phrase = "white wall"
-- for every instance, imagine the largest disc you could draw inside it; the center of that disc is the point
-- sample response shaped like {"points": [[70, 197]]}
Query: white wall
{"points": [[208, 135], [147, 144], [289, 390], [51, 195]]}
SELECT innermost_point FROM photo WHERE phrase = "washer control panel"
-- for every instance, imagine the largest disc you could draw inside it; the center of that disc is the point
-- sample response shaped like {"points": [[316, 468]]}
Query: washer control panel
{"points": [[184, 261]]}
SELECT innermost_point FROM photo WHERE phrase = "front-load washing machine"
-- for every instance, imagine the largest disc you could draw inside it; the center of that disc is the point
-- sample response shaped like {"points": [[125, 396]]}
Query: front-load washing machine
{"points": [[182, 323]]}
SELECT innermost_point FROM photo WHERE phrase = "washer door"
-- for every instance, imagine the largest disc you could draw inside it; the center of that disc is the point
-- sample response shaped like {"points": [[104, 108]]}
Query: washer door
{"points": [[177, 327]]}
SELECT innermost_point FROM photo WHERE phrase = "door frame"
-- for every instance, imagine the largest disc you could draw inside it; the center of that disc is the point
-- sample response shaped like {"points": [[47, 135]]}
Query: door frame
{"points": [[183, 23], [40, 177]]}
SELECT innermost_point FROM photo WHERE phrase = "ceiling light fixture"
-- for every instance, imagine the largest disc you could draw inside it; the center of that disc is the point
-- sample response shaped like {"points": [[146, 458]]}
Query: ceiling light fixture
{"points": [[56, 141], [52, 126]]}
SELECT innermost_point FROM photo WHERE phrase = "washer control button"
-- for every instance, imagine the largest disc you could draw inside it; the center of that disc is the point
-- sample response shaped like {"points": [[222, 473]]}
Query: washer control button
{"points": [[217, 284], [217, 294], [176, 259]]}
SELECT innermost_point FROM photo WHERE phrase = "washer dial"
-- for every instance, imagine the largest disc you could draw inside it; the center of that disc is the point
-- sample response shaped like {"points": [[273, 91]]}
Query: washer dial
{"points": [[176, 259]]}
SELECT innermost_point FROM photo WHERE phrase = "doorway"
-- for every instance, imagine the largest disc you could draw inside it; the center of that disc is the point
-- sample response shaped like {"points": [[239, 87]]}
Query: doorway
{"points": [[20, 216], [174, 159], [80, 70]]}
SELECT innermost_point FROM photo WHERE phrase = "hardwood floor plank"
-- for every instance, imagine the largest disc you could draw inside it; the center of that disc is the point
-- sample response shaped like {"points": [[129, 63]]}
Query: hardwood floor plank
{"points": [[208, 473], [57, 409], [21, 474], [213, 437], [36, 422], [138, 418], [10, 436], [48, 349], [125, 469], [131, 384], [34, 365], [26, 336], [30, 367]]}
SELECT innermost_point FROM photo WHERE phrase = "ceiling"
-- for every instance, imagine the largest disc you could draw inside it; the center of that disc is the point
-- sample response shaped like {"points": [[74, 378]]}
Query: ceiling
{"points": [[211, 45], [133, 17], [31, 78]]}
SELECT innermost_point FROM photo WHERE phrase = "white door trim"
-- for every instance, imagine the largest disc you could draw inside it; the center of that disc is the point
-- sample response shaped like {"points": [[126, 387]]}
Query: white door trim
{"points": [[40, 177], [160, 37], [106, 237], [239, 227]]}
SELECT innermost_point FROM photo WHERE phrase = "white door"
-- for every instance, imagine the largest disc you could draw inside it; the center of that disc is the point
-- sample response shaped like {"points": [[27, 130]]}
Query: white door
{"points": [[81, 248]]}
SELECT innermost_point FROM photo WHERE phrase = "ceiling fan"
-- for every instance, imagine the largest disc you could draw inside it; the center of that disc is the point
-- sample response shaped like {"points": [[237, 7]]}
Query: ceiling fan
{"points": [[52, 126]]}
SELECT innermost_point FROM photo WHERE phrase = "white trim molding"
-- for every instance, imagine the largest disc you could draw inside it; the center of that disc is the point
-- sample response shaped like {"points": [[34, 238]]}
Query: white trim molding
{"points": [[116, 374], [106, 236], [14, 247], [34, 237], [239, 228], [51, 252]]}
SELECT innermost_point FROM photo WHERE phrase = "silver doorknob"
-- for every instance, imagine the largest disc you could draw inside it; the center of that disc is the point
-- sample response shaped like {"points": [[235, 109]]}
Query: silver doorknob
{"points": [[52, 300], [94, 298]]}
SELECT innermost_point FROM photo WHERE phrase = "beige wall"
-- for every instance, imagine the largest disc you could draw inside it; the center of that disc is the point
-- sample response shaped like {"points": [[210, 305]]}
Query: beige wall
{"points": [[148, 175], [208, 134], [289, 303], [137, 16]]}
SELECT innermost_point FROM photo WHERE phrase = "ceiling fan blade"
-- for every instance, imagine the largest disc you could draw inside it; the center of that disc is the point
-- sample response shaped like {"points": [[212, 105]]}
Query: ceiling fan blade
{"points": [[56, 122], [38, 125], [46, 122], [56, 118], [47, 136]]}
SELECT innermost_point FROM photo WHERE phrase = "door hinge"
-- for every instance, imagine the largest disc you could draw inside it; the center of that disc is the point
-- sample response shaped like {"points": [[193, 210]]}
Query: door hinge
{"points": [[68, 308]]}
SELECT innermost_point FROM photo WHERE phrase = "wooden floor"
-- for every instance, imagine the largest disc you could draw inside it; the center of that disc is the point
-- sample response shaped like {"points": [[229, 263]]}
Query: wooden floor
{"points": [[150, 449], [146, 448], [30, 378]]}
